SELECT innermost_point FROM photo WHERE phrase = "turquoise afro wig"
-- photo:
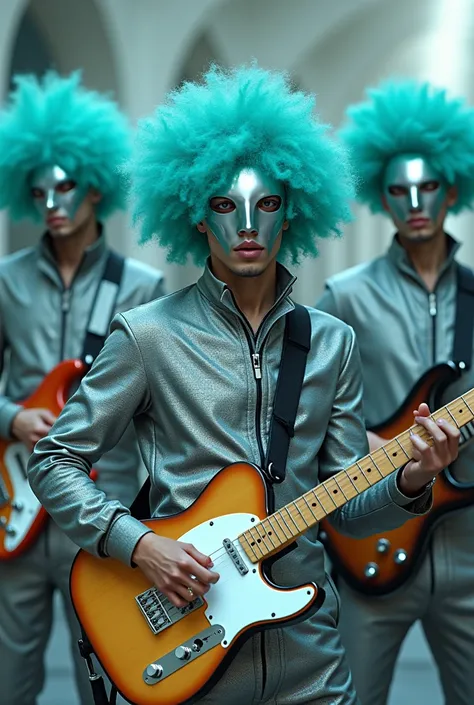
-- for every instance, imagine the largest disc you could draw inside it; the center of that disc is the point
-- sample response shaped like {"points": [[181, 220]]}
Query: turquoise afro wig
{"points": [[246, 117], [57, 121], [410, 117]]}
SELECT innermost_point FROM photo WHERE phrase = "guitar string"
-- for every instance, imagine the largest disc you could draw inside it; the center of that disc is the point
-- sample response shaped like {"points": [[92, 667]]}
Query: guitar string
{"points": [[222, 553]]}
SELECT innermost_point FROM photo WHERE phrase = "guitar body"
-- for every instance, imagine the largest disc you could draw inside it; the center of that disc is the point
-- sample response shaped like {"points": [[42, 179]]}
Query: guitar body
{"points": [[21, 515], [381, 563], [131, 632]]}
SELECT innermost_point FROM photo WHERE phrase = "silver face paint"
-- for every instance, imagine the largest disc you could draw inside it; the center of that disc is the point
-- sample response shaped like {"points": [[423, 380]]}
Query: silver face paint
{"points": [[247, 221], [48, 180], [409, 188]]}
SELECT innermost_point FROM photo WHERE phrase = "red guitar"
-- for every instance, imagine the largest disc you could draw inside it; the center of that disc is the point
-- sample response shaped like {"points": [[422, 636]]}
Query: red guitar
{"points": [[21, 515], [381, 563]]}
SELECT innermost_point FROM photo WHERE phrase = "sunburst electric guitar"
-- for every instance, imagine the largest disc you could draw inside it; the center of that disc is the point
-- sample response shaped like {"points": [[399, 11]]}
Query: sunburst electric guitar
{"points": [[156, 653], [21, 515], [379, 564]]}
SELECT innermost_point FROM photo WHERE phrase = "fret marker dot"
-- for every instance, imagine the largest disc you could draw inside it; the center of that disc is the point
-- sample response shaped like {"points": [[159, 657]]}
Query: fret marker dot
{"points": [[355, 478], [314, 504], [335, 491]]}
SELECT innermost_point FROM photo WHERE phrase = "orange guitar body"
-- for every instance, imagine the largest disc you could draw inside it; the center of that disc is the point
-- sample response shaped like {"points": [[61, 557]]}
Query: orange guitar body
{"points": [[21, 515], [383, 562], [104, 595]]}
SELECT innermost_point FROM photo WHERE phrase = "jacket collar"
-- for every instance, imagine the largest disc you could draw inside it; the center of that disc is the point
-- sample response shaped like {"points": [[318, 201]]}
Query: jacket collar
{"points": [[399, 257], [91, 257], [219, 294]]}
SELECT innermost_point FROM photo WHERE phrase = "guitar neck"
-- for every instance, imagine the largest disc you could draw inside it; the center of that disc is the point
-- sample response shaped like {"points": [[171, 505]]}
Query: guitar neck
{"points": [[291, 521]]}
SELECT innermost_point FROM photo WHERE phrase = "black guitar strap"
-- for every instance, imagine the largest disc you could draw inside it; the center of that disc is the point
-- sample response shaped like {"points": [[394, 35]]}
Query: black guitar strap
{"points": [[103, 307], [102, 311], [464, 322], [296, 345]]}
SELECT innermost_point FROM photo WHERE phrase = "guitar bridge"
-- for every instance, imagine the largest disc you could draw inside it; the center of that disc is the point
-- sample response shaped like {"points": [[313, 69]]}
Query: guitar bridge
{"points": [[160, 613], [235, 557]]}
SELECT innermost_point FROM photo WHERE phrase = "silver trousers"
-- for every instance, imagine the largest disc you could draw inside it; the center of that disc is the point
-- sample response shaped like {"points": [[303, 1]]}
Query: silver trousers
{"points": [[441, 597], [27, 586], [303, 664]]}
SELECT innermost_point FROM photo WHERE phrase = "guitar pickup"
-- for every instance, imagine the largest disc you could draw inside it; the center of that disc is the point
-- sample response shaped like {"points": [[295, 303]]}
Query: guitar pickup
{"points": [[235, 556]]}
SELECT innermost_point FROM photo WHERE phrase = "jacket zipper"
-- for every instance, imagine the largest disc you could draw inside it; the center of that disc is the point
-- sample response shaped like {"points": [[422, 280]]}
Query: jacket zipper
{"points": [[433, 314], [65, 308], [256, 358], [257, 371]]}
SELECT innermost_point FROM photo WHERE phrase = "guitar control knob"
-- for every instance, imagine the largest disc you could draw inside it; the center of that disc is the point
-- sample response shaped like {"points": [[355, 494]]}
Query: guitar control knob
{"points": [[183, 653], [400, 556], [10, 530], [383, 545], [154, 670], [371, 570]]}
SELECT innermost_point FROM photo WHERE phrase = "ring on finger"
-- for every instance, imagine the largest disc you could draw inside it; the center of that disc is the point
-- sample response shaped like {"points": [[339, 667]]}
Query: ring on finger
{"points": [[191, 591]]}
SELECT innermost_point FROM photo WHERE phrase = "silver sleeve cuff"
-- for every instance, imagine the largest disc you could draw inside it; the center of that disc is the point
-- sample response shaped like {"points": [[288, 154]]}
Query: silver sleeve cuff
{"points": [[417, 505], [123, 536]]}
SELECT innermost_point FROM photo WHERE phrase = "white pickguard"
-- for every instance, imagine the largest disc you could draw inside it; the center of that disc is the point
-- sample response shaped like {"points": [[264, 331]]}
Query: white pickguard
{"points": [[238, 601], [16, 459]]}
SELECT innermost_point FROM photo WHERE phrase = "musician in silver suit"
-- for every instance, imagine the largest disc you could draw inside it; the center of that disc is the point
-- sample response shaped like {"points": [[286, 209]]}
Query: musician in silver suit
{"points": [[413, 149], [239, 174], [61, 146]]}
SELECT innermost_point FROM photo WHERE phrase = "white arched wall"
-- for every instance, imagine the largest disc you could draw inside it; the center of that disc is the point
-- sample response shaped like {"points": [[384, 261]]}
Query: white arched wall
{"points": [[138, 50], [78, 36]]}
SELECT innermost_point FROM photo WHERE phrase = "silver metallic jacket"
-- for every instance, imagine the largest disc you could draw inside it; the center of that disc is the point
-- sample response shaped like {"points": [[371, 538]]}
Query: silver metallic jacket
{"points": [[402, 330], [182, 367], [42, 323]]}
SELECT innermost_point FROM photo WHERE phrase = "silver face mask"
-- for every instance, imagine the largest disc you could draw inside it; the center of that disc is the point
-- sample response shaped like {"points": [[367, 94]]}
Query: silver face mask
{"points": [[410, 188], [48, 181], [247, 221]]}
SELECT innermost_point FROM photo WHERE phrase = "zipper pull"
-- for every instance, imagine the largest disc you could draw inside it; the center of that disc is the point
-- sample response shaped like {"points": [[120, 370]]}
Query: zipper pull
{"points": [[432, 302], [256, 366], [66, 301]]}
